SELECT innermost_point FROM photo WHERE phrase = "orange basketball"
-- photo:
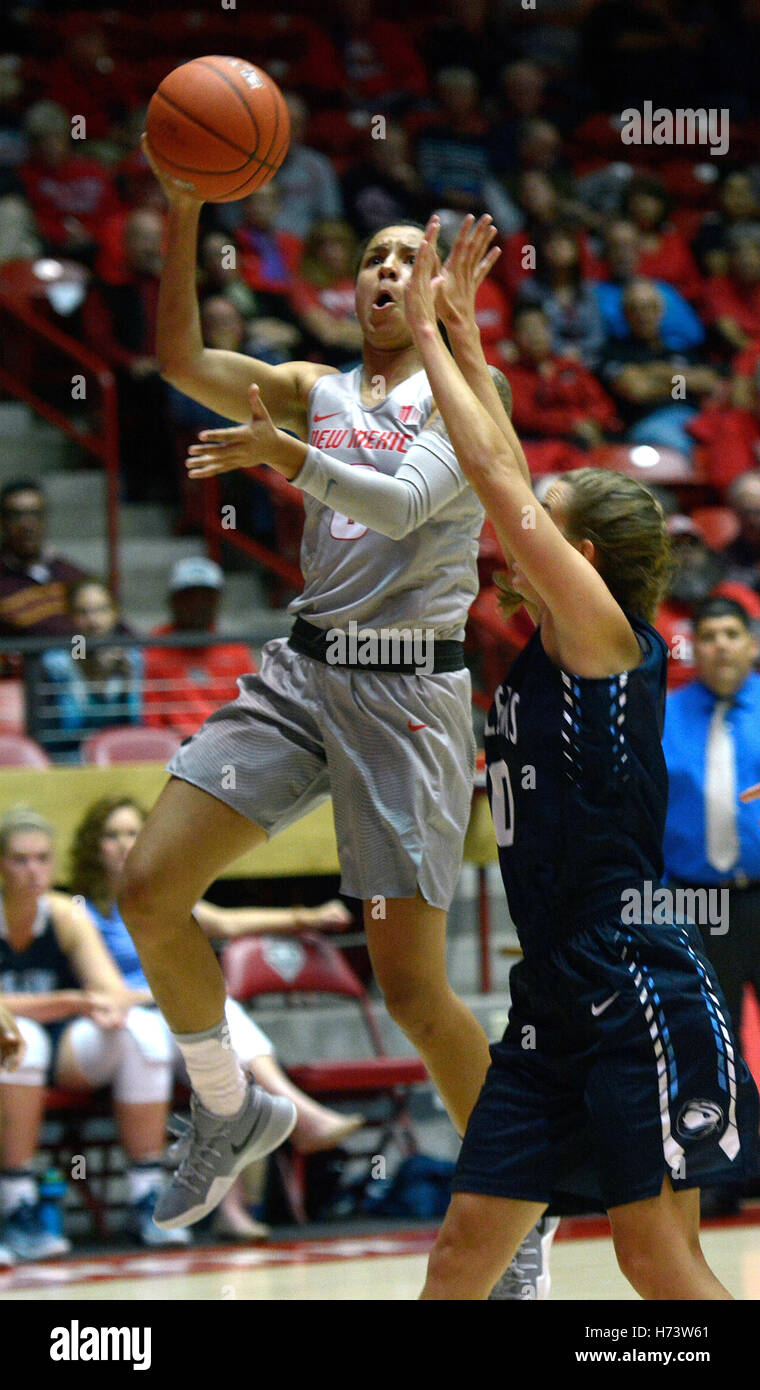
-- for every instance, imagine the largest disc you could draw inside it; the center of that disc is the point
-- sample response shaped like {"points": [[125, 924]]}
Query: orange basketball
{"points": [[220, 125]]}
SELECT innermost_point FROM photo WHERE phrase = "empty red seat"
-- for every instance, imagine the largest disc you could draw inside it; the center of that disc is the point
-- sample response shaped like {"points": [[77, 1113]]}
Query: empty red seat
{"points": [[130, 744]]}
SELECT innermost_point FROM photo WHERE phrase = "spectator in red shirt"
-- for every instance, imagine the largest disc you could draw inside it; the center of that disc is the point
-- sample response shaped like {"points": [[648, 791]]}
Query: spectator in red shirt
{"points": [[554, 396], [70, 194], [184, 685], [322, 298], [86, 78], [732, 302], [269, 258], [119, 322], [697, 574], [543, 211], [33, 583], [380, 63], [663, 252]]}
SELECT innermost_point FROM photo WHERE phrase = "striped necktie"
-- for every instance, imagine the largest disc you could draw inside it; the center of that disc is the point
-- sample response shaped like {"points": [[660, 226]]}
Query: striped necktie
{"points": [[721, 837]]}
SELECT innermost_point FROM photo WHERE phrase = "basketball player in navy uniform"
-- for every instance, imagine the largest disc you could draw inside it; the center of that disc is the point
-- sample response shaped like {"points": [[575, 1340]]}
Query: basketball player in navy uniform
{"points": [[390, 543], [618, 1080]]}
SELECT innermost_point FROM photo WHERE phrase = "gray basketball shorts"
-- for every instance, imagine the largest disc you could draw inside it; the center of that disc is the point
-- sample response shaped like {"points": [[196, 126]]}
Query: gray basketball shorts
{"points": [[396, 752]]}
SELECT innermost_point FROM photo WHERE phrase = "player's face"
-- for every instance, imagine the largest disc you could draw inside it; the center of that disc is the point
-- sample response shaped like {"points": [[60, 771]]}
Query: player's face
{"points": [[27, 864], [725, 652], [383, 276], [119, 834]]}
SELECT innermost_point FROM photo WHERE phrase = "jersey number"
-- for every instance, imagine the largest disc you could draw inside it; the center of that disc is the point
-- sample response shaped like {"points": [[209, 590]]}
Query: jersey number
{"points": [[502, 803]]}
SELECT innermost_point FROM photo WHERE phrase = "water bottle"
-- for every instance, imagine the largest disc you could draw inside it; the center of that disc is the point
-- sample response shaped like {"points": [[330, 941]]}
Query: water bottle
{"points": [[52, 1192]]}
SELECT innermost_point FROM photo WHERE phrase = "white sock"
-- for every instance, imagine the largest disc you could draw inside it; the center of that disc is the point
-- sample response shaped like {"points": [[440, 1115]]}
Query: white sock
{"points": [[16, 1188], [144, 1177], [214, 1069]]}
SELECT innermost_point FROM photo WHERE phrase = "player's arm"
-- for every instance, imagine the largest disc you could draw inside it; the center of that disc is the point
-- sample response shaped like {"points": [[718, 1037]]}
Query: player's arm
{"points": [[593, 634], [217, 378], [81, 941], [229, 922]]}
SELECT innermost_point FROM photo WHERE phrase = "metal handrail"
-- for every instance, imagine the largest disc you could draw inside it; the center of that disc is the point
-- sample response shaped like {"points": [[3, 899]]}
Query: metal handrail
{"points": [[104, 444]]}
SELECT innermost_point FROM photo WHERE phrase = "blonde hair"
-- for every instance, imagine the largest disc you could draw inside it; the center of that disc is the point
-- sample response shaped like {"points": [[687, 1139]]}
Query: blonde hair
{"points": [[628, 528], [20, 819]]}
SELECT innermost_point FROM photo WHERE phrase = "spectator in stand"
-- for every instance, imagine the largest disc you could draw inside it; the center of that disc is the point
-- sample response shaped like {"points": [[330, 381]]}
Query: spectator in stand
{"points": [[743, 554], [712, 840], [73, 1009], [569, 302], [322, 298], [657, 391], [468, 34], [71, 194], [697, 573], [452, 153], [119, 323], [383, 188], [93, 688], [664, 253], [32, 580], [732, 301], [307, 184], [729, 430], [523, 94], [87, 78], [559, 408], [184, 685], [270, 258], [380, 63], [230, 309], [738, 216], [543, 211], [681, 329]]}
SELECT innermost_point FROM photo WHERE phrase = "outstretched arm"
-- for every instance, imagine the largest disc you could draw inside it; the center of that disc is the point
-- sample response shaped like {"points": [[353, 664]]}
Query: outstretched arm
{"points": [[593, 633], [217, 378]]}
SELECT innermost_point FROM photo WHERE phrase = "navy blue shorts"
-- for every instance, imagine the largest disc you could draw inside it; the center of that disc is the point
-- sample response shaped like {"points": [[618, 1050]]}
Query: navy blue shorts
{"points": [[618, 1066]]}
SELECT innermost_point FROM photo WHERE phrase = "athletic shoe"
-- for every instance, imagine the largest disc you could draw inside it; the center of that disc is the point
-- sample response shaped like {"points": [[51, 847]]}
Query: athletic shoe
{"points": [[24, 1234], [216, 1149], [528, 1275], [141, 1225]]}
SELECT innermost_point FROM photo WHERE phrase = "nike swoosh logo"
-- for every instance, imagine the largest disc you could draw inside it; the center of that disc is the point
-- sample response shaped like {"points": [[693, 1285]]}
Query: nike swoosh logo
{"points": [[238, 1148], [327, 417], [598, 1009], [415, 727]]}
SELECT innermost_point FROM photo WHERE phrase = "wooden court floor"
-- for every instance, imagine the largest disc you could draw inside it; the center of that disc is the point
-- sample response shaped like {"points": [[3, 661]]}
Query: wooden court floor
{"points": [[374, 1268]]}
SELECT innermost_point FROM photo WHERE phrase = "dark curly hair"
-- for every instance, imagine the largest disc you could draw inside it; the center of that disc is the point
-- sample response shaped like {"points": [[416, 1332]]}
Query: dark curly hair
{"points": [[87, 877]]}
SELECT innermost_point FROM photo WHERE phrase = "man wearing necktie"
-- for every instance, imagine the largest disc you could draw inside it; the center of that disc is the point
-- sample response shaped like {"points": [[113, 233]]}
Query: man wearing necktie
{"points": [[712, 751]]}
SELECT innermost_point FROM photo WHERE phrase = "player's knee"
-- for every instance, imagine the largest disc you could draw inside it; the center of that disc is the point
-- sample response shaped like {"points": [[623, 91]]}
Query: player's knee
{"points": [[409, 1005], [640, 1263], [141, 896]]}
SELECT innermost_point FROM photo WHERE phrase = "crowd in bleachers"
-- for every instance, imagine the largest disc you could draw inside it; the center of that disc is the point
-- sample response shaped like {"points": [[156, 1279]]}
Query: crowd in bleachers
{"points": [[624, 268]]}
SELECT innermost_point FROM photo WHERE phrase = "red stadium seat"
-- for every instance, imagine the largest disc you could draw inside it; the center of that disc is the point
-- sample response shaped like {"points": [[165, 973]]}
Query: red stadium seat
{"points": [[16, 750], [308, 964], [130, 745]]}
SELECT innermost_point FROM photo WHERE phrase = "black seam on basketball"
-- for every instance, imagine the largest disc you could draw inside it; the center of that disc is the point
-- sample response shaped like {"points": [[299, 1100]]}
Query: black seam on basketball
{"points": [[225, 78], [202, 126], [276, 105]]}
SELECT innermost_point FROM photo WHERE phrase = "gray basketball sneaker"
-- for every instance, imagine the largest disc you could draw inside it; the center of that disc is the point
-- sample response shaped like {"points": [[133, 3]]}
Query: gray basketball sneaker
{"points": [[528, 1275], [213, 1149]]}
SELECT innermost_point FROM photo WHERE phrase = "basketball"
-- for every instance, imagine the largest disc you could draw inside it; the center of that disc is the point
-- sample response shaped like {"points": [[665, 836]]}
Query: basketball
{"points": [[220, 126]]}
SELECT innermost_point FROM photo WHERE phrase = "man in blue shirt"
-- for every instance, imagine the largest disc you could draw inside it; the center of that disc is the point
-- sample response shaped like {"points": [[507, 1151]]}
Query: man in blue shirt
{"points": [[712, 750]]}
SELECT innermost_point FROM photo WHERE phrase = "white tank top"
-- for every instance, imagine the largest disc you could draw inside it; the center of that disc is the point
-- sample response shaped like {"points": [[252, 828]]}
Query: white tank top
{"points": [[351, 573]]}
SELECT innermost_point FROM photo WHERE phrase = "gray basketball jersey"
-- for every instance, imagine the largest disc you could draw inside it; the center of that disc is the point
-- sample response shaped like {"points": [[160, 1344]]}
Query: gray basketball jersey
{"points": [[429, 577]]}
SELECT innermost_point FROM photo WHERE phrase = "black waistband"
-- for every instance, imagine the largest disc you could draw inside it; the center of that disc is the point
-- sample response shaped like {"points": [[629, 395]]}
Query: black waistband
{"points": [[739, 884], [333, 647]]}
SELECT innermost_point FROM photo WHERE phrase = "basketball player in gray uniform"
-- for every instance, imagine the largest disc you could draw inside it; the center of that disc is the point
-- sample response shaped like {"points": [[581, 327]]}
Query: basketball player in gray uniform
{"points": [[368, 700]]}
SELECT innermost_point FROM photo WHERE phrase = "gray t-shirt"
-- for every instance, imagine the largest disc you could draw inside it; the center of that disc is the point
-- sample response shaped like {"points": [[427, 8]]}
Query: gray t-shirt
{"points": [[392, 525]]}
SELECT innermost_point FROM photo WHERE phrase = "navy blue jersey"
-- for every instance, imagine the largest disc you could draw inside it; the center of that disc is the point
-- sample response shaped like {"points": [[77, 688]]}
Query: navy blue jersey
{"points": [[43, 967], [578, 788]]}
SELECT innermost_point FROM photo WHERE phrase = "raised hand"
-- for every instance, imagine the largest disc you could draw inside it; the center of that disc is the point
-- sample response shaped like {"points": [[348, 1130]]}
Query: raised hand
{"points": [[176, 191], [242, 446], [468, 263], [422, 288]]}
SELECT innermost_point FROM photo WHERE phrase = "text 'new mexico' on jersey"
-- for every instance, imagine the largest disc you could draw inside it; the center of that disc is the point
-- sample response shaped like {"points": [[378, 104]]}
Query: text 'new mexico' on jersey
{"points": [[578, 788], [352, 573]]}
